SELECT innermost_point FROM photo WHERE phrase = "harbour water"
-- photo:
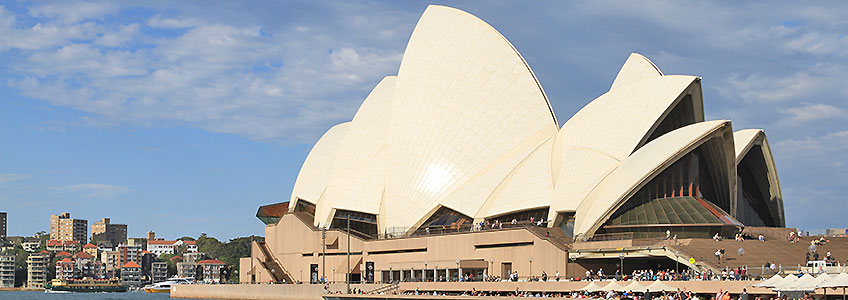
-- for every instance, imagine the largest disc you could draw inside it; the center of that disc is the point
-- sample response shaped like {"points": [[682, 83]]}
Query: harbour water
{"points": [[81, 296]]}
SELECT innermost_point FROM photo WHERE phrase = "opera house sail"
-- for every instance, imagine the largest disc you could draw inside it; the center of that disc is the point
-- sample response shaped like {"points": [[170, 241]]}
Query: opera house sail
{"points": [[464, 137]]}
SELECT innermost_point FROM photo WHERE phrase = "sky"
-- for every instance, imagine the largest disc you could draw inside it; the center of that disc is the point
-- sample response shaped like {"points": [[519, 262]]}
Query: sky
{"points": [[183, 117]]}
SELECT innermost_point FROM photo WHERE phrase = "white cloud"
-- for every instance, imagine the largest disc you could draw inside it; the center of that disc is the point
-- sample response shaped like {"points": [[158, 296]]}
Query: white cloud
{"points": [[284, 86], [11, 177], [96, 190], [810, 112]]}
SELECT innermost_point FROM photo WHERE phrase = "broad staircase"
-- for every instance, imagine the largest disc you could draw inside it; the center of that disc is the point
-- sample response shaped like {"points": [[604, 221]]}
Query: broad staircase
{"points": [[788, 256], [274, 267]]}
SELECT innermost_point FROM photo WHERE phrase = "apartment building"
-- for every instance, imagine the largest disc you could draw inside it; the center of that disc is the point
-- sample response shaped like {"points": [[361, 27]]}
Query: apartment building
{"points": [[7, 271], [64, 228], [159, 271], [37, 269], [131, 274], [2, 224], [129, 253], [105, 230], [30, 244], [111, 261], [186, 269], [211, 270]]}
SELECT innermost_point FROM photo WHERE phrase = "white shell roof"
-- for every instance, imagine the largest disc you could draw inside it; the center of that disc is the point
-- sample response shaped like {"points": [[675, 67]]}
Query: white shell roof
{"points": [[358, 176], [313, 176], [466, 125], [640, 168], [464, 98]]}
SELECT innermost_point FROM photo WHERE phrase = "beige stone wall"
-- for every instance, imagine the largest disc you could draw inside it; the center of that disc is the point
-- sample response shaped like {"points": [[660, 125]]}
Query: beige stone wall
{"points": [[297, 245]]}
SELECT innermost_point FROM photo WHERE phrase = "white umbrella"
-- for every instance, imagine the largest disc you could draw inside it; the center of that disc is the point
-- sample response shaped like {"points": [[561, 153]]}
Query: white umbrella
{"points": [[786, 281], [636, 287], [592, 287], [769, 282], [804, 283], [660, 286], [840, 280], [614, 286]]}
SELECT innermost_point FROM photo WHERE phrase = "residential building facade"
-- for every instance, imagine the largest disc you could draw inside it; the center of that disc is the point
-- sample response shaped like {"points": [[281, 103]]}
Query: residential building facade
{"points": [[129, 253], [186, 269], [159, 271], [7, 271], [131, 274], [3, 224], [111, 261], [64, 228], [160, 247], [37, 269], [211, 270], [30, 244], [105, 230]]}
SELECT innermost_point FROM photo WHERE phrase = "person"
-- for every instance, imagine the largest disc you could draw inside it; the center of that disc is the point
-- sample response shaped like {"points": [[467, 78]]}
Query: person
{"points": [[667, 234], [557, 275], [718, 256], [647, 295], [761, 238], [544, 276]]}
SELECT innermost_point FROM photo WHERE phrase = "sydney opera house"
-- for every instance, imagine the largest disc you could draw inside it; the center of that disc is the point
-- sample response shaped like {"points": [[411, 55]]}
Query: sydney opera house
{"points": [[459, 166]]}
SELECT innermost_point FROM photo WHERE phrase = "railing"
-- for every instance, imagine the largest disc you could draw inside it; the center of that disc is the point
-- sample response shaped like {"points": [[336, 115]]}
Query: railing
{"points": [[403, 232]]}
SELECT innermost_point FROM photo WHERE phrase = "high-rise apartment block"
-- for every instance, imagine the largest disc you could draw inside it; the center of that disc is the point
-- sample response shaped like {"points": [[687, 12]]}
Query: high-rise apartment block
{"points": [[62, 227], [2, 224], [104, 230], [7, 271], [37, 269]]}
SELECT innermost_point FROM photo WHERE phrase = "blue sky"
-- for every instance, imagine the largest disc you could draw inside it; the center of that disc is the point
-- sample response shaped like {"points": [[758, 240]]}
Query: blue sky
{"points": [[184, 117]]}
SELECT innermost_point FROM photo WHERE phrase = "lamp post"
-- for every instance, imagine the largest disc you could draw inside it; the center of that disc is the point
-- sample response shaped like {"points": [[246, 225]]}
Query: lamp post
{"points": [[324, 254], [424, 272], [458, 271], [531, 266], [334, 274], [347, 274], [621, 265]]}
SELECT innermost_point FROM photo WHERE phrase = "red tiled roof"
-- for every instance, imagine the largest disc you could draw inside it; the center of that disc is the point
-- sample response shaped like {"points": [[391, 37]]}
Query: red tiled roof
{"points": [[63, 253], [72, 243], [161, 242], [89, 245], [190, 242], [131, 264], [66, 260], [84, 255], [176, 258], [146, 252], [211, 262], [54, 243], [44, 251]]}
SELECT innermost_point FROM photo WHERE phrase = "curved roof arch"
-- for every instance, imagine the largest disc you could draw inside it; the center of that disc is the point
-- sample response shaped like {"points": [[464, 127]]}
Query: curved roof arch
{"points": [[643, 165], [315, 171], [464, 97], [358, 177], [744, 141], [637, 67], [607, 130]]}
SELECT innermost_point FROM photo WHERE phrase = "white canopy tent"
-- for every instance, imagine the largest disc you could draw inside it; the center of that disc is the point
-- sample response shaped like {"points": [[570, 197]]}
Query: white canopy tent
{"points": [[660, 287], [769, 282], [837, 281], [592, 287], [614, 286], [804, 283], [635, 286]]}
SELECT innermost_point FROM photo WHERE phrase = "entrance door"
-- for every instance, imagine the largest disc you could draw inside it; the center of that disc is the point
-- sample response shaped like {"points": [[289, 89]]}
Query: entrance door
{"points": [[506, 269]]}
